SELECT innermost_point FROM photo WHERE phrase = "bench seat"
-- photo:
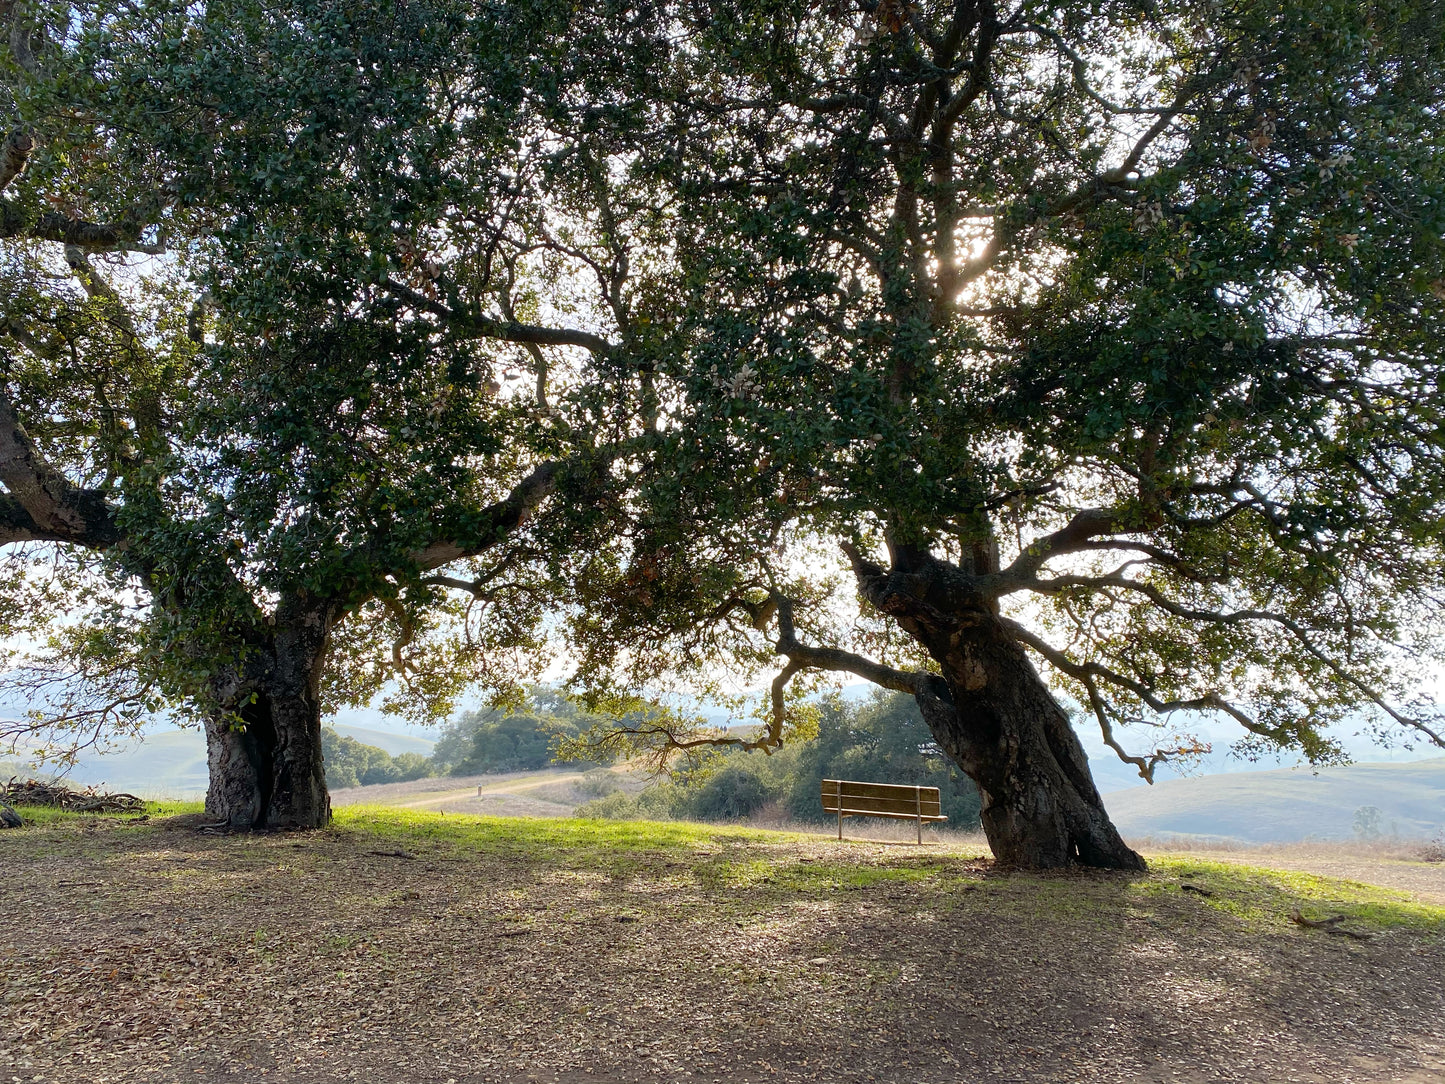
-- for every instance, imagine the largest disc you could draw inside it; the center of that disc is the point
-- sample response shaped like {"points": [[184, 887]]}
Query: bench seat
{"points": [[851, 798]]}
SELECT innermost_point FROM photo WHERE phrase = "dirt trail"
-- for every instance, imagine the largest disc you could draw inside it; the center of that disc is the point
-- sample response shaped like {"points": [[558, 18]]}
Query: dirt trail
{"points": [[548, 793], [482, 790]]}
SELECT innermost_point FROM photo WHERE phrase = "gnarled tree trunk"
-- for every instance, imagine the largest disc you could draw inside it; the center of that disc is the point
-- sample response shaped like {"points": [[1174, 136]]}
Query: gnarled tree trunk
{"points": [[266, 771], [992, 713]]}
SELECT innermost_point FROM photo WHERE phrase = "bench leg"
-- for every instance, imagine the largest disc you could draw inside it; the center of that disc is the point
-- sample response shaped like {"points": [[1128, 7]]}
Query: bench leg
{"points": [[920, 831], [840, 820]]}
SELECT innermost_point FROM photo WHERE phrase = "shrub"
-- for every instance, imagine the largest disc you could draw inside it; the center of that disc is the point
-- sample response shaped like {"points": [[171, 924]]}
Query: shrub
{"points": [[736, 791], [598, 783], [1434, 849], [616, 806]]}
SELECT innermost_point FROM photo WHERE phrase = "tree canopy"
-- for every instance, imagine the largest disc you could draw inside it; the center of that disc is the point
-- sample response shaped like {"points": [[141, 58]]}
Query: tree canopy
{"points": [[927, 342], [1104, 337], [279, 467]]}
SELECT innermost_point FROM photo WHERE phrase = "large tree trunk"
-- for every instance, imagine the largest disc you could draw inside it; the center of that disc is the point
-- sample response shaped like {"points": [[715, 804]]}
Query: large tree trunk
{"points": [[266, 771], [992, 713]]}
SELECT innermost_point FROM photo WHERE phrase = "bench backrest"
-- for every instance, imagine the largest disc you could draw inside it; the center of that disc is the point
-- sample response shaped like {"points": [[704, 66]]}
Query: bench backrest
{"points": [[884, 799]]}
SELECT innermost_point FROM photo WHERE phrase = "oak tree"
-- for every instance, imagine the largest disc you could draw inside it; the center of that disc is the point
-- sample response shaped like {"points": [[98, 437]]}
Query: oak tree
{"points": [[1100, 342], [280, 466]]}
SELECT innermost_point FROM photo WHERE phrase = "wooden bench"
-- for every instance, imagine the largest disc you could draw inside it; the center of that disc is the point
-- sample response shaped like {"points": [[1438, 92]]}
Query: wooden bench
{"points": [[849, 798]]}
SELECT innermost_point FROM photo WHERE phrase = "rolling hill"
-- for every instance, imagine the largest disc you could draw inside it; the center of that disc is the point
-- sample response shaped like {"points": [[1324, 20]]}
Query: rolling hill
{"points": [[172, 763], [1287, 805]]}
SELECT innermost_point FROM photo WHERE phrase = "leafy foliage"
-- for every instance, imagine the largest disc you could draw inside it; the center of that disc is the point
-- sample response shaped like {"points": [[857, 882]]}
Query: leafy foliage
{"points": [[1120, 321], [350, 763], [1112, 327], [880, 740], [520, 739], [270, 441]]}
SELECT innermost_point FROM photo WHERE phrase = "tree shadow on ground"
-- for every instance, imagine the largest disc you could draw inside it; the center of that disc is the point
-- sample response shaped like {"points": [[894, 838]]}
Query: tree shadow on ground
{"points": [[426, 948]]}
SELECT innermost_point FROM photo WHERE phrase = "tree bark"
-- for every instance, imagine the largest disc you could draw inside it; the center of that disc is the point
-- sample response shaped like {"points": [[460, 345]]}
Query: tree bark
{"points": [[991, 712], [266, 770]]}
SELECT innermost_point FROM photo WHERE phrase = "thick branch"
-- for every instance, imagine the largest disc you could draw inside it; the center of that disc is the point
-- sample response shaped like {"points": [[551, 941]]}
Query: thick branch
{"points": [[505, 330], [495, 522], [780, 706], [829, 658], [56, 510], [1076, 535], [18, 525], [123, 235], [472, 588], [21, 35]]}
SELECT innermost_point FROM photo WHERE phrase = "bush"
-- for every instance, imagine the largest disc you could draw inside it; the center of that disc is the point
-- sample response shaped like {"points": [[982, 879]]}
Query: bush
{"points": [[617, 806], [349, 763], [736, 791], [598, 783], [1434, 849]]}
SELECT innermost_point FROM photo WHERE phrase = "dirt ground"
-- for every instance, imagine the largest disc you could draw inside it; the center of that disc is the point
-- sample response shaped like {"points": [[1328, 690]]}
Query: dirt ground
{"points": [[160, 952]]}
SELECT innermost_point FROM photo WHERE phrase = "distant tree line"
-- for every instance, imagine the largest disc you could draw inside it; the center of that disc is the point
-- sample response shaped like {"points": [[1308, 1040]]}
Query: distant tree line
{"points": [[521, 739], [350, 763], [882, 739]]}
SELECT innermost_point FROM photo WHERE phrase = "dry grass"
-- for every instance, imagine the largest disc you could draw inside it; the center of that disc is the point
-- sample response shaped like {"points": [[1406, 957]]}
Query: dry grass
{"points": [[1384, 849], [407, 946], [1389, 863]]}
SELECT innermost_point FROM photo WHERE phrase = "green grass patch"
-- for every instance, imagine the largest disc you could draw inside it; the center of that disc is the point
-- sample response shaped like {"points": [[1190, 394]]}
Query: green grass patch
{"points": [[722, 858], [39, 816], [721, 869], [1268, 896], [759, 864], [551, 841]]}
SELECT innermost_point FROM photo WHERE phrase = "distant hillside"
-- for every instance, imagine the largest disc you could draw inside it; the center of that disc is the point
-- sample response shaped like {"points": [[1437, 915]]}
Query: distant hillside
{"points": [[395, 744], [172, 763], [1287, 805]]}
